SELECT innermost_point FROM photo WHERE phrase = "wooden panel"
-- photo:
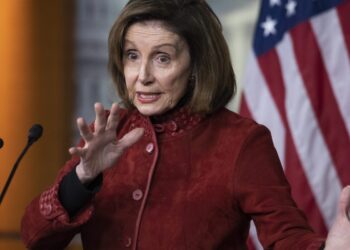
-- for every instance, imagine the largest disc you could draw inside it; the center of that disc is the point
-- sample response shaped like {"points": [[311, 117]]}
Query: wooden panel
{"points": [[36, 86]]}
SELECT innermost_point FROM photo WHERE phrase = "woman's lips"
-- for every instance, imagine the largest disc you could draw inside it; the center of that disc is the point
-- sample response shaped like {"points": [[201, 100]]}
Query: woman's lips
{"points": [[147, 97]]}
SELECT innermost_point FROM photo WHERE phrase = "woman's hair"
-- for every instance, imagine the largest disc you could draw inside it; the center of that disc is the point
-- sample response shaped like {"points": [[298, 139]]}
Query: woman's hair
{"points": [[213, 81]]}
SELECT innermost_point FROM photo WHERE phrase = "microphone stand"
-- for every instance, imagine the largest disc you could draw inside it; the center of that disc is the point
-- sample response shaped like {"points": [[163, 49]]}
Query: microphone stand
{"points": [[34, 134], [12, 173]]}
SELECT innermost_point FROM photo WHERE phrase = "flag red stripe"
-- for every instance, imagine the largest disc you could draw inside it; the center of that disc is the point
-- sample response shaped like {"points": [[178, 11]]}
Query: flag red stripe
{"points": [[344, 18], [271, 69], [301, 191], [323, 101]]}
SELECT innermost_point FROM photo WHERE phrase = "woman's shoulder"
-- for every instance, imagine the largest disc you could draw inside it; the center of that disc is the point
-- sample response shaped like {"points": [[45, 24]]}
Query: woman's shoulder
{"points": [[235, 128], [231, 120]]}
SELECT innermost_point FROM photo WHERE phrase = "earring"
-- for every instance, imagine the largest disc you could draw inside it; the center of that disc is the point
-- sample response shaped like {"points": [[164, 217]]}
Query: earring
{"points": [[192, 78], [191, 82]]}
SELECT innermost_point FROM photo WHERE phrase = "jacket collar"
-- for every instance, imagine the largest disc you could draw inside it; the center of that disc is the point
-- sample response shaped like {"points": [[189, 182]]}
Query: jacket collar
{"points": [[172, 123]]}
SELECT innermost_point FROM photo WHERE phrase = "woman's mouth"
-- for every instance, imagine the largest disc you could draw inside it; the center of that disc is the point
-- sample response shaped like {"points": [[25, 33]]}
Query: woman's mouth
{"points": [[144, 97]]}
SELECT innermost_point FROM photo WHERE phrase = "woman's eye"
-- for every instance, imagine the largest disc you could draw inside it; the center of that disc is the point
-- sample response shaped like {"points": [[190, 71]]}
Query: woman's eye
{"points": [[131, 55], [164, 59]]}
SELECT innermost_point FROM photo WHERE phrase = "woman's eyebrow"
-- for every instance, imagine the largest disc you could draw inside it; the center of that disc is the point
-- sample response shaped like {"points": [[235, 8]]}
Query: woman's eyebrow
{"points": [[177, 46], [126, 41]]}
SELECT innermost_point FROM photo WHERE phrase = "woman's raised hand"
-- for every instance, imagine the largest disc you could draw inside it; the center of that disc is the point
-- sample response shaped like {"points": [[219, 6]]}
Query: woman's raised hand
{"points": [[101, 149], [339, 234]]}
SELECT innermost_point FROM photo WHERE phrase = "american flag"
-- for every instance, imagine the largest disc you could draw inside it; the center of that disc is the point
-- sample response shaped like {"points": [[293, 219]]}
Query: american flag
{"points": [[298, 85]]}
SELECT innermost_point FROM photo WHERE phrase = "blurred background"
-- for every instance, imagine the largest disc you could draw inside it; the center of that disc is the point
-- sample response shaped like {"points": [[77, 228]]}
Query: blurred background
{"points": [[53, 68]]}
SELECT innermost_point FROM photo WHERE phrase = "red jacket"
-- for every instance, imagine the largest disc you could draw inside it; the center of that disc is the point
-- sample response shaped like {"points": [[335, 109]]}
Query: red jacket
{"points": [[189, 183]]}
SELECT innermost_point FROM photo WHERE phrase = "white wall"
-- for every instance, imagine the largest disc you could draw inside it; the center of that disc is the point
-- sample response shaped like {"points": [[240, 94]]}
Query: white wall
{"points": [[238, 18]]}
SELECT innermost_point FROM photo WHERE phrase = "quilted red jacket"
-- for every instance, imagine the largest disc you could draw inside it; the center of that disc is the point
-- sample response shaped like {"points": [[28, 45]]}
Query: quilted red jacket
{"points": [[191, 182]]}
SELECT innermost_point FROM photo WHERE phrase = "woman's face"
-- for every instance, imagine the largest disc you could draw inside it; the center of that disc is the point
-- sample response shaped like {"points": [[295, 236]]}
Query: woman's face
{"points": [[156, 67]]}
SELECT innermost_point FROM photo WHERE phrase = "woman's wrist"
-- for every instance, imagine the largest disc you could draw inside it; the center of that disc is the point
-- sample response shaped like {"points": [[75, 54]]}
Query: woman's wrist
{"points": [[83, 177]]}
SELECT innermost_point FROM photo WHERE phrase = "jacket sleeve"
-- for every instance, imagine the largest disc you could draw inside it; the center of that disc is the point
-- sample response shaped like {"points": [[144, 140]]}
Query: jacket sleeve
{"points": [[263, 192], [46, 224], [74, 195]]}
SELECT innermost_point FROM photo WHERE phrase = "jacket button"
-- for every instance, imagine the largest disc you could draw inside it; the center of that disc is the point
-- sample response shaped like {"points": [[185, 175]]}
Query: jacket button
{"points": [[47, 209], [150, 147], [137, 195], [128, 242], [172, 126]]}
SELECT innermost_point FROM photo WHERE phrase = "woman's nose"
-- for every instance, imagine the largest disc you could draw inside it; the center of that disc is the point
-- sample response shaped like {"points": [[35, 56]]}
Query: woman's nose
{"points": [[145, 74]]}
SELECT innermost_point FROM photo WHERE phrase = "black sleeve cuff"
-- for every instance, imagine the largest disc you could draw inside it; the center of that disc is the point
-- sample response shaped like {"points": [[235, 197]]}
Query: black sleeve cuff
{"points": [[74, 195]]}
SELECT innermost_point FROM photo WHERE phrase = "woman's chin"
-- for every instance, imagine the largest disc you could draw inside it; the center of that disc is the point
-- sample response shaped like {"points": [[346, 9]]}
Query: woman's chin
{"points": [[155, 108], [150, 111]]}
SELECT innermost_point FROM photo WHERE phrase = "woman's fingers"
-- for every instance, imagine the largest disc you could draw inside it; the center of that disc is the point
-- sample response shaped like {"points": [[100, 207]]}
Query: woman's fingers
{"points": [[113, 118], [344, 203], [105, 132], [99, 137], [130, 138], [100, 121], [339, 234], [76, 151], [84, 129]]}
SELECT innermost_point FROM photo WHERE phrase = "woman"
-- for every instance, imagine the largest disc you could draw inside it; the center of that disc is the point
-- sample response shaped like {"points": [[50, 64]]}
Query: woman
{"points": [[175, 169]]}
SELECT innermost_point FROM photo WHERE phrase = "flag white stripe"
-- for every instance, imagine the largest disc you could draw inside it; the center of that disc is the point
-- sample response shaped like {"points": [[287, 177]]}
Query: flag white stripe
{"points": [[262, 106], [254, 237], [333, 49], [315, 158]]}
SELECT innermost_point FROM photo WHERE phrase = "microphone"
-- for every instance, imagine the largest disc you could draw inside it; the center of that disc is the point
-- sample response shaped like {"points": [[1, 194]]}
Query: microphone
{"points": [[1, 143], [35, 133]]}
